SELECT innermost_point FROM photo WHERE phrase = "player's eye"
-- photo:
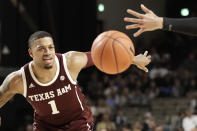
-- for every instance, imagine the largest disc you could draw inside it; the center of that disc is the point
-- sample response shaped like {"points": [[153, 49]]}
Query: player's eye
{"points": [[40, 49], [51, 47]]}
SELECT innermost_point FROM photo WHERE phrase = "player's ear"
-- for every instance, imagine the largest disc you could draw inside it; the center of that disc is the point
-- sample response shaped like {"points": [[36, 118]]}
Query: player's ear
{"points": [[30, 52]]}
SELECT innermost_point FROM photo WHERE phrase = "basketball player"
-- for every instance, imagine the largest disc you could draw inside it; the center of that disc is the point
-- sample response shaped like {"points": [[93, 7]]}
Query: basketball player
{"points": [[149, 22], [49, 83]]}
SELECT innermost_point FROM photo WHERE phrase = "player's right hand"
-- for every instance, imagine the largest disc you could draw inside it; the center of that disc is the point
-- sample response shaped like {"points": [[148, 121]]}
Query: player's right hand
{"points": [[142, 60], [145, 22]]}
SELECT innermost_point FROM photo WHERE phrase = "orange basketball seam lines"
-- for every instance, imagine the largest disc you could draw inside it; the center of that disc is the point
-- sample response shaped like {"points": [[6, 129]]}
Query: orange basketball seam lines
{"points": [[103, 48], [115, 57], [123, 44], [119, 42], [101, 57], [102, 38]]}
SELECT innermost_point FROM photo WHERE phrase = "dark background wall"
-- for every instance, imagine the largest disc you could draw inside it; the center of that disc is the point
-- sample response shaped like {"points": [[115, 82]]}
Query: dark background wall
{"points": [[72, 23]]}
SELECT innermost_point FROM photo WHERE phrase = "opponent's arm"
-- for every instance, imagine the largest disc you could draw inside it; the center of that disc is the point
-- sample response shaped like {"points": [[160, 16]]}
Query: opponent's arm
{"points": [[150, 21], [182, 25], [12, 85]]}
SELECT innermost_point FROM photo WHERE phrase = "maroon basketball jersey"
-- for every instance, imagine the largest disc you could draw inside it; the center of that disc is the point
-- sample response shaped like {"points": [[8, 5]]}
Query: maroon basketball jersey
{"points": [[59, 101]]}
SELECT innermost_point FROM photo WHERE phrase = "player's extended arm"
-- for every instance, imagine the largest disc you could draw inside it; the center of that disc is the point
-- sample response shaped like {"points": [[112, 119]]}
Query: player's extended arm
{"points": [[149, 22], [76, 61], [12, 85], [142, 60]]}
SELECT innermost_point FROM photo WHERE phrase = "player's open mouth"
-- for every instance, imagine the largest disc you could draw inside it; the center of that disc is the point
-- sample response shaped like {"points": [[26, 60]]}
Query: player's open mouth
{"points": [[48, 60]]}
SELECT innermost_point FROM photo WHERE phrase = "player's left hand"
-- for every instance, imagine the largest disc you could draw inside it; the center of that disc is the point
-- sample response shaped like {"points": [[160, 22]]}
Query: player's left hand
{"points": [[142, 60]]}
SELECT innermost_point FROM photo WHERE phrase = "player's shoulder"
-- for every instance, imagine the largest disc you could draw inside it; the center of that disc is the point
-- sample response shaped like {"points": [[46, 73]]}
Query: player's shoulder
{"points": [[15, 81], [74, 57], [70, 54], [16, 75], [17, 78], [75, 60], [74, 54]]}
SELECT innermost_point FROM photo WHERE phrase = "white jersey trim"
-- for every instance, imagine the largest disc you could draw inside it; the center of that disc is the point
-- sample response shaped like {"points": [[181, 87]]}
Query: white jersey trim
{"points": [[67, 72], [49, 83], [88, 127], [79, 99], [24, 82]]}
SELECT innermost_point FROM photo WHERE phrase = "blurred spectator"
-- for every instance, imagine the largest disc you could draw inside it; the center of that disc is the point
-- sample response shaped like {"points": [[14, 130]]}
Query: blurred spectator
{"points": [[159, 128], [178, 125], [102, 107], [149, 124], [185, 76], [191, 88], [190, 62], [120, 118], [177, 89], [137, 98], [94, 84], [137, 126], [158, 72], [155, 57], [92, 107], [193, 105], [111, 100], [126, 127], [111, 88], [190, 121], [152, 91], [106, 124], [122, 96]]}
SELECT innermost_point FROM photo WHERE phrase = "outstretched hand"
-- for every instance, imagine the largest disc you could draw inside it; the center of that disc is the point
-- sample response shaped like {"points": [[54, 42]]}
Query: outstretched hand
{"points": [[142, 60], [146, 22]]}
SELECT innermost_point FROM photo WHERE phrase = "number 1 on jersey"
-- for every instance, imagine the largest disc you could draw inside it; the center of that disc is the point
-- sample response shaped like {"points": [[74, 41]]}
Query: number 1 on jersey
{"points": [[53, 107]]}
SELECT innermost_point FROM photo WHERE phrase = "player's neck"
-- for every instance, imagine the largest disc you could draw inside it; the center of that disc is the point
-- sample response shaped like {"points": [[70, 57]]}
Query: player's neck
{"points": [[44, 75]]}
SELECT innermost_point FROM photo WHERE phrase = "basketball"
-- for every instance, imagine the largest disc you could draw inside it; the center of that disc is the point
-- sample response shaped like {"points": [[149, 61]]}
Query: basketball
{"points": [[112, 52]]}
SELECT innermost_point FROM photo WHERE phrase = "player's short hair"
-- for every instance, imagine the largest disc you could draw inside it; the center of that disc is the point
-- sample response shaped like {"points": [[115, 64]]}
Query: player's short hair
{"points": [[38, 35]]}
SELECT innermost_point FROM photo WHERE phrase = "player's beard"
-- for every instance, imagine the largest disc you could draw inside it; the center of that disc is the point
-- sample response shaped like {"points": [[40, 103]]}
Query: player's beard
{"points": [[48, 67]]}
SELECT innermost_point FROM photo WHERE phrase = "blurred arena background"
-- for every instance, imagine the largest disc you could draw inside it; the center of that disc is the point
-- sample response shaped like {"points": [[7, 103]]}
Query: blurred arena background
{"points": [[133, 100]]}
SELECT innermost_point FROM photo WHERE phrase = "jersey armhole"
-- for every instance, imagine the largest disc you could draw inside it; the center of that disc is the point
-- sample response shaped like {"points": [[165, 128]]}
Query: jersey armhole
{"points": [[24, 82], [67, 71]]}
